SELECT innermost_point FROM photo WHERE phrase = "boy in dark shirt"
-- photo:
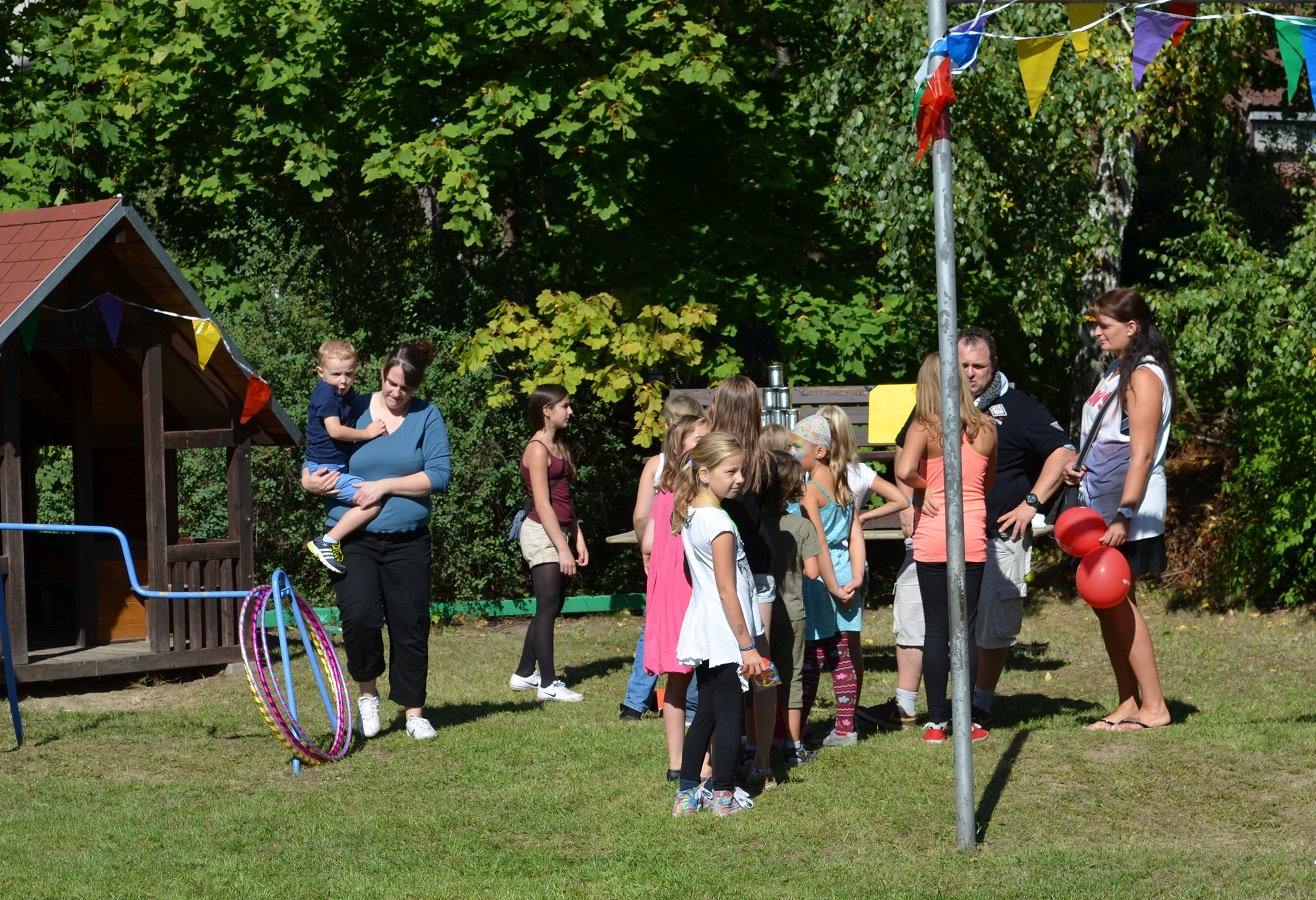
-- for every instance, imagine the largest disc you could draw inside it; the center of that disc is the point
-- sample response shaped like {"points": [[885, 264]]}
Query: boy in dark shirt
{"points": [[330, 432]]}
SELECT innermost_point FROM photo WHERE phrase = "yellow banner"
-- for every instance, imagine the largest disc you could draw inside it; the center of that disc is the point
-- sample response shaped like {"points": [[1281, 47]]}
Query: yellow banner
{"points": [[207, 337], [1080, 15], [1037, 60]]}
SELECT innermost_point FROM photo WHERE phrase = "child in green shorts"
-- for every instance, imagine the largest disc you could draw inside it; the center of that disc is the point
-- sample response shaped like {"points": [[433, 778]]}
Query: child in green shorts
{"points": [[795, 553]]}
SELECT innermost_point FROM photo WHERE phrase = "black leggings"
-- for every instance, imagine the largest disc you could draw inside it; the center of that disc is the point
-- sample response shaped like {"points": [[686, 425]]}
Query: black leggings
{"points": [[720, 718], [387, 583], [549, 588], [936, 636]]}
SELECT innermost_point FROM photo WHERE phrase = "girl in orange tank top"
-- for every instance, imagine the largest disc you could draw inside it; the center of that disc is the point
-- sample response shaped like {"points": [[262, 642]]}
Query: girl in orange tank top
{"points": [[921, 466]]}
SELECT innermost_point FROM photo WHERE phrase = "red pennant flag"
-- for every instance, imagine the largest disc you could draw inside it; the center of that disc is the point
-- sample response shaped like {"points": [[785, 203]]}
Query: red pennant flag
{"points": [[931, 124], [258, 394], [1180, 9]]}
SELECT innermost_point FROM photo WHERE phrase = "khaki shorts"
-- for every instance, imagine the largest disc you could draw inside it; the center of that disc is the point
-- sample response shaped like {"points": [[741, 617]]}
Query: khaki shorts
{"points": [[907, 611], [536, 546], [1004, 586], [787, 649]]}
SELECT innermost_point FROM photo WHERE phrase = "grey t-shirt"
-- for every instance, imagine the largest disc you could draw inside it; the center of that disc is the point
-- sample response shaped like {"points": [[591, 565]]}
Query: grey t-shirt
{"points": [[794, 539]]}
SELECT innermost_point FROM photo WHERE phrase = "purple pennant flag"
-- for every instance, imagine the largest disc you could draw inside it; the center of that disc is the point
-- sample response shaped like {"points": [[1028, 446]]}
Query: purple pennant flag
{"points": [[112, 312], [1309, 50], [1150, 32]]}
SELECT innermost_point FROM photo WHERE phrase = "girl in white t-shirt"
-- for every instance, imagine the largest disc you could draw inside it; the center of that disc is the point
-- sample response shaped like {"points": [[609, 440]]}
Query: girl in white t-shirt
{"points": [[722, 621], [1123, 478]]}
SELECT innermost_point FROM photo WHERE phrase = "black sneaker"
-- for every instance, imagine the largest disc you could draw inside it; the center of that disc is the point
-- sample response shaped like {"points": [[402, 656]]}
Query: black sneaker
{"points": [[329, 554], [626, 714], [888, 716]]}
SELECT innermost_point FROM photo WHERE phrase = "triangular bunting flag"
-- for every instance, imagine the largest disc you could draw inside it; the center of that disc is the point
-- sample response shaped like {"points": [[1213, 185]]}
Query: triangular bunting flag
{"points": [[1150, 32], [28, 330], [1037, 60], [207, 337], [112, 312], [918, 100], [962, 43], [1082, 15], [1309, 50], [932, 125], [1181, 9], [258, 394], [1290, 51]]}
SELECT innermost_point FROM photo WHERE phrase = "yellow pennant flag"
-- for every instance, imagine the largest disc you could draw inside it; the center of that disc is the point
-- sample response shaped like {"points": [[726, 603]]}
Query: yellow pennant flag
{"points": [[207, 337], [1037, 60], [1080, 15]]}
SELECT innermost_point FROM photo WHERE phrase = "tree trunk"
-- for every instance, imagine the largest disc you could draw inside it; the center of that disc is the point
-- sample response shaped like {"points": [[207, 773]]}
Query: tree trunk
{"points": [[1110, 208]]}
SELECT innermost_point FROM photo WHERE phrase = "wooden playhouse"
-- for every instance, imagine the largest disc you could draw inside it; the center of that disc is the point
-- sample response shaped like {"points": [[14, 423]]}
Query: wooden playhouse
{"points": [[99, 356]]}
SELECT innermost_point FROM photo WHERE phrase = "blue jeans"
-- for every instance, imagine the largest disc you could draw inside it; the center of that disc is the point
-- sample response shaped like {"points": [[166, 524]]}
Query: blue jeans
{"points": [[640, 687]]}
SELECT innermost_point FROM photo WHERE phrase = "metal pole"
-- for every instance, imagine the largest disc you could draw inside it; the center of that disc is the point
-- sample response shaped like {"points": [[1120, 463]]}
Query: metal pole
{"points": [[947, 332]]}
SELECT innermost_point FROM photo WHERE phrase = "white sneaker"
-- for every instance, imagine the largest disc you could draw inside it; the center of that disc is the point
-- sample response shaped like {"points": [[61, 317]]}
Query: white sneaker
{"points": [[559, 691], [369, 708], [517, 683], [420, 728]]}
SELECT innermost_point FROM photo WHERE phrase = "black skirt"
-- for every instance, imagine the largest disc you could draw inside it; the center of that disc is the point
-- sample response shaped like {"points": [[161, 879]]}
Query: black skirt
{"points": [[1146, 556]]}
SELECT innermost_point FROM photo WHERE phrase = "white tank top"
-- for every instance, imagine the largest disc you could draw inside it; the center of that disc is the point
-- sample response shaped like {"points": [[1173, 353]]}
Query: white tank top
{"points": [[1108, 461]]}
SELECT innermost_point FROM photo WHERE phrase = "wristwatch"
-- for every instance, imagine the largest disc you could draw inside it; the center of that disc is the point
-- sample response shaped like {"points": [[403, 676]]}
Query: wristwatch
{"points": [[1032, 500], [1126, 512]]}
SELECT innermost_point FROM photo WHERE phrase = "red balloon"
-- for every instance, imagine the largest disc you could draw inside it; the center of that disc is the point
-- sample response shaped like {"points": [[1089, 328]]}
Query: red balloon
{"points": [[1079, 529], [1103, 577]]}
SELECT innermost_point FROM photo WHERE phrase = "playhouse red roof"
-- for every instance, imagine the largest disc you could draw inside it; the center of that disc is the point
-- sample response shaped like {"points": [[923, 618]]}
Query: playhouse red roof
{"points": [[33, 242]]}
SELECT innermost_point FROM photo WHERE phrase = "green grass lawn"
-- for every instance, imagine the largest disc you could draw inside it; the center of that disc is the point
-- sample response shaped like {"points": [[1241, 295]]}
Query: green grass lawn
{"points": [[181, 790]]}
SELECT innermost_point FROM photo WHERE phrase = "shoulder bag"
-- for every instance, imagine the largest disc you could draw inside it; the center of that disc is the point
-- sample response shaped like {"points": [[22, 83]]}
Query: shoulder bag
{"points": [[514, 533]]}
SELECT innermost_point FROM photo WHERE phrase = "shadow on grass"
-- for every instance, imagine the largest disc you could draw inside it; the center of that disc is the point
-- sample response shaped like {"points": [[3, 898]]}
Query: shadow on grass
{"points": [[1021, 709], [450, 714], [599, 668], [991, 795], [74, 727], [879, 661], [1026, 657], [1018, 709]]}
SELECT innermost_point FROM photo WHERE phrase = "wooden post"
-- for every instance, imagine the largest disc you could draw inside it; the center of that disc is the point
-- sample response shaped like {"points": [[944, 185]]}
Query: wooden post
{"points": [[11, 496], [157, 567], [84, 492], [241, 528]]}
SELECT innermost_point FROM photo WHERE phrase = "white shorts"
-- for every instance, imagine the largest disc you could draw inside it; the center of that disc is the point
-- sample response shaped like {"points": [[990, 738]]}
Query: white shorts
{"points": [[765, 593], [536, 546], [1004, 586], [907, 611]]}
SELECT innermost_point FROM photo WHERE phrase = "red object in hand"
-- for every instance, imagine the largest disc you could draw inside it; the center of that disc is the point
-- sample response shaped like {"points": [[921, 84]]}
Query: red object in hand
{"points": [[1079, 530], [1103, 577]]}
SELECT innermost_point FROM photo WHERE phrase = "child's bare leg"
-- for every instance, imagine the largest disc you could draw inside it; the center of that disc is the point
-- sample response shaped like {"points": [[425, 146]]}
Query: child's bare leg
{"points": [[674, 716], [794, 720], [354, 518]]}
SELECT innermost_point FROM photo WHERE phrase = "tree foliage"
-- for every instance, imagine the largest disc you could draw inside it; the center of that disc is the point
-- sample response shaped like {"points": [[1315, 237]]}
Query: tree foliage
{"points": [[608, 344], [1245, 342], [627, 196]]}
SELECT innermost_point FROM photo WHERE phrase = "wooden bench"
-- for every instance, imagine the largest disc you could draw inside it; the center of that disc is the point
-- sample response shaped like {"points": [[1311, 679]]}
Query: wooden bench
{"points": [[876, 420]]}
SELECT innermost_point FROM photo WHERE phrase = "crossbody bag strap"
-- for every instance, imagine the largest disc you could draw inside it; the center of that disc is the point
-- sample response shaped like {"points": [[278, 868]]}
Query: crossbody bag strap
{"points": [[1096, 426], [530, 501]]}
